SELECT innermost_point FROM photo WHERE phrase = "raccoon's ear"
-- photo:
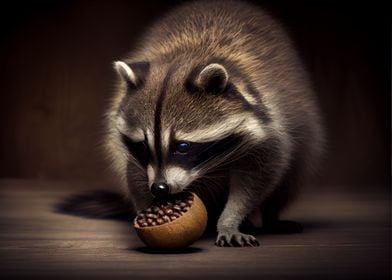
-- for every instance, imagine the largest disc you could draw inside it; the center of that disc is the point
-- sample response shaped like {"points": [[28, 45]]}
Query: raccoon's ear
{"points": [[213, 78], [132, 73]]}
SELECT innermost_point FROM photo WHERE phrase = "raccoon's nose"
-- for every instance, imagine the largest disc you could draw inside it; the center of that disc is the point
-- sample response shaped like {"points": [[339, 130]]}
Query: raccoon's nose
{"points": [[160, 190]]}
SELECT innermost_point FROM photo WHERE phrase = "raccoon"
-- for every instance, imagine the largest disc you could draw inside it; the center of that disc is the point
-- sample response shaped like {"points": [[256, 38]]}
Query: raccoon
{"points": [[214, 98]]}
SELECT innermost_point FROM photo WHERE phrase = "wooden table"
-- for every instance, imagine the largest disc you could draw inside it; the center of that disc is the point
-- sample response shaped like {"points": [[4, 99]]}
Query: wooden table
{"points": [[346, 236]]}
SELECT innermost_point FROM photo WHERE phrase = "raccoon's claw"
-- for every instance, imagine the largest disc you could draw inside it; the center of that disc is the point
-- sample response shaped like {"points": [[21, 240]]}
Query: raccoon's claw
{"points": [[237, 239]]}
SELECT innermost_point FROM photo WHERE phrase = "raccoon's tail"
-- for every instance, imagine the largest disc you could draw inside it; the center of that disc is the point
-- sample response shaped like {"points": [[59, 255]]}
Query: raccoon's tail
{"points": [[99, 204]]}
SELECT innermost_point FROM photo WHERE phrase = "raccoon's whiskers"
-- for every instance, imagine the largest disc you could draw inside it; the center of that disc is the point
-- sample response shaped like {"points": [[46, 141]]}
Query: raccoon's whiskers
{"points": [[225, 158]]}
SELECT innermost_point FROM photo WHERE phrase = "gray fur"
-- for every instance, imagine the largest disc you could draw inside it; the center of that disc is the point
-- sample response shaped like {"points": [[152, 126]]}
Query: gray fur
{"points": [[264, 83]]}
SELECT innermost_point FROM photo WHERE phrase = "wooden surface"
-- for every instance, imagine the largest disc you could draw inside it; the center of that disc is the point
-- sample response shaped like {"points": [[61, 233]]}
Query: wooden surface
{"points": [[346, 236]]}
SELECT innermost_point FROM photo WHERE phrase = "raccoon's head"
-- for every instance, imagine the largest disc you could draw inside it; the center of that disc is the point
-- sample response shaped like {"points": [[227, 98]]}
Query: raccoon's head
{"points": [[180, 123]]}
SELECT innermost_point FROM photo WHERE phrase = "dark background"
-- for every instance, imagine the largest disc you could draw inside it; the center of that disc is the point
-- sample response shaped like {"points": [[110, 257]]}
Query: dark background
{"points": [[56, 76]]}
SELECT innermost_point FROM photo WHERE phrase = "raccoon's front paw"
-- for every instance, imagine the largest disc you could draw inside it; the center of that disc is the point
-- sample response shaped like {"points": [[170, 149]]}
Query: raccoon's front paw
{"points": [[235, 239]]}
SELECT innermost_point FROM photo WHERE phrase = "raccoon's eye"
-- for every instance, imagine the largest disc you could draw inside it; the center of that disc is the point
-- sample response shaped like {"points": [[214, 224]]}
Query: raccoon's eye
{"points": [[182, 147], [138, 149]]}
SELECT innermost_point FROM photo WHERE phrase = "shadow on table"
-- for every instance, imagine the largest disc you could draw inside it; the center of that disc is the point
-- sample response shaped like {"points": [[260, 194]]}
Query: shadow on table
{"points": [[154, 251], [104, 204], [98, 204]]}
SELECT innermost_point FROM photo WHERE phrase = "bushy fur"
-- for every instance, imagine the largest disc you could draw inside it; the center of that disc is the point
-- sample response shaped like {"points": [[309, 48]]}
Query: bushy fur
{"points": [[264, 69]]}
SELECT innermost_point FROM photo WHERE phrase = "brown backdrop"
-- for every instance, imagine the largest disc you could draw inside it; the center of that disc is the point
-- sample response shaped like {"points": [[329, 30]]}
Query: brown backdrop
{"points": [[56, 76]]}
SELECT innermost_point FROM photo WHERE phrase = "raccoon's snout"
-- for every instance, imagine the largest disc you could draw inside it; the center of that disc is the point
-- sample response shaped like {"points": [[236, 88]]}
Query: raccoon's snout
{"points": [[160, 190]]}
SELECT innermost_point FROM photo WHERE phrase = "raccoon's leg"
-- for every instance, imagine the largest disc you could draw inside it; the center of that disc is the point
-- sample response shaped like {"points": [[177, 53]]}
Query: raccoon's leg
{"points": [[251, 179], [239, 204], [271, 210], [140, 196], [138, 193], [282, 195], [141, 201]]}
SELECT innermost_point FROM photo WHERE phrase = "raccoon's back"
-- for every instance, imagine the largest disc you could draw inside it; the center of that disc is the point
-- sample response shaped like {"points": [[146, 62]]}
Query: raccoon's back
{"points": [[232, 33], [232, 29], [241, 34]]}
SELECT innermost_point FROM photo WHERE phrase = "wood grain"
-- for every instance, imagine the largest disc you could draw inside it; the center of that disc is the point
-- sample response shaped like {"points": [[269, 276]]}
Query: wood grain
{"points": [[346, 236]]}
